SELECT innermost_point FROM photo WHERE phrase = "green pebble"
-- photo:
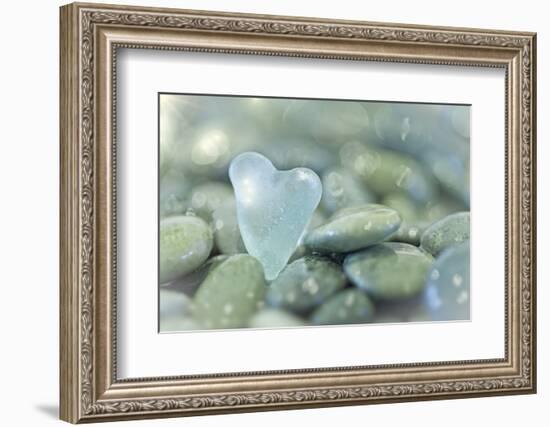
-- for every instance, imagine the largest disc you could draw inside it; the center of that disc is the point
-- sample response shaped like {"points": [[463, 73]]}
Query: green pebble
{"points": [[449, 231], [409, 310], [389, 271], [175, 311], [231, 293], [179, 324], [440, 208], [447, 293], [409, 233], [207, 197], [189, 283], [346, 307], [172, 302], [302, 250], [227, 235], [275, 318], [342, 189], [354, 228], [185, 243], [407, 209], [386, 171], [305, 284], [327, 121], [173, 192]]}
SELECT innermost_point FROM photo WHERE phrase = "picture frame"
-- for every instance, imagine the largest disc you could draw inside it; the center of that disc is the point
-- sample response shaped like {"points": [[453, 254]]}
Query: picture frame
{"points": [[91, 37]]}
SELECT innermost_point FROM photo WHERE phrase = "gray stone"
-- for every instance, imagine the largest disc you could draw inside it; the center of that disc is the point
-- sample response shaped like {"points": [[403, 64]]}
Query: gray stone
{"points": [[189, 283], [447, 293], [305, 284], [327, 121], [354, 228], [388, 172], [407, 310], [274, 318], [172, 302], [207, 197], [185, 243], [409, 233], [346, 307], [389, 271], [231, 293], [451, 230], [227, 235], [342, 189]]}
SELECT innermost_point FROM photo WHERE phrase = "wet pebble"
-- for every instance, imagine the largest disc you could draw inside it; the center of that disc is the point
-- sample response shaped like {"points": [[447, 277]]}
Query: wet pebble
{"points": [[274, 318], [327, 121], [175, 311], [173, 192], [389, 271], [227, 235], [386, 171], [209, 196], [305, 284], [189, 283], [409, 233], [231, 293], [451, 230], [185, 243], [342, 189], [354, 228], [172, 302], [346, 307], [447, 293], [179, 324]]}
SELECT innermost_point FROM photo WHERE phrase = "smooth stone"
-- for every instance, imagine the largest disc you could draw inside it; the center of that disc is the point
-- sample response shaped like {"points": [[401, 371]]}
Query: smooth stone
{"points": [[452, 172], [174, 189], [389, 271], [274, 318], [342, 189], [460, 119], [189, 283], [333, 122], [207, 197], [231, 293], [404, 205], [406, 127], [273, 208], [440, 208], [305, 284], [172, 302], [179, 324], [409, 233], [227, 235], [354, 228], [346, 307], [447, 293], [174, 119], [289, 153], [386, 171], [407, 310], [175, 311], [317, 219], [451, 230], [185, 243]]}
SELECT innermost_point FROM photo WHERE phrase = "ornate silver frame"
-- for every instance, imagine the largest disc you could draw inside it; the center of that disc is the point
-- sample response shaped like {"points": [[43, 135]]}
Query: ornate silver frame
{"points": [[90, 36]]}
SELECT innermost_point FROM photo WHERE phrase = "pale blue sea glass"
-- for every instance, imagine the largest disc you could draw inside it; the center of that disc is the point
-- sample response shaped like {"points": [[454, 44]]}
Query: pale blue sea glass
{"points": [[273, 208]]}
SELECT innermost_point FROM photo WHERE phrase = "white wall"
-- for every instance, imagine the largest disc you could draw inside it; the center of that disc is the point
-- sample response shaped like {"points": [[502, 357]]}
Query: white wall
{"points": [[29, 213]]}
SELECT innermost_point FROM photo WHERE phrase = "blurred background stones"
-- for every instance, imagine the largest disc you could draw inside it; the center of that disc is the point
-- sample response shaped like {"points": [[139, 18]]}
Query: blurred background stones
{"points": [[389, 241]]}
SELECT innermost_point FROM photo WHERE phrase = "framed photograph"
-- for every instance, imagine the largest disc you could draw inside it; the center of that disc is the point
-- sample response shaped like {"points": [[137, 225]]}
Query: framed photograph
{"points": [[266, 212]]}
